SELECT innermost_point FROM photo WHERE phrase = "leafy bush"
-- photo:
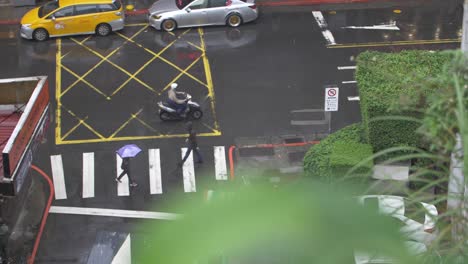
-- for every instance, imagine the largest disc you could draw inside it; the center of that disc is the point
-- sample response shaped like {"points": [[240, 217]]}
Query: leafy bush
{"points": [[337, 153], [388, 80]]}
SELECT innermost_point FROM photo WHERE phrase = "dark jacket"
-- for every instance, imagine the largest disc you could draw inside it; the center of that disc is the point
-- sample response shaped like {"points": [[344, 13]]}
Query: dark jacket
{"points": [[192, 139], [125, 164]]}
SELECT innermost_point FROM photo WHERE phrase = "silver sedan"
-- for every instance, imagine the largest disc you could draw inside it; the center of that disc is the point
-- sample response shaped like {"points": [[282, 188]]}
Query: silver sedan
{"points": [[171, 14]]}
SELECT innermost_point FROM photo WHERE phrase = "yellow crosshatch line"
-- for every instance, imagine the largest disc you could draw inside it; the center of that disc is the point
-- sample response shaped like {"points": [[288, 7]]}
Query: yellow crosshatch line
{"points": [[61, 139], [393, 43]]}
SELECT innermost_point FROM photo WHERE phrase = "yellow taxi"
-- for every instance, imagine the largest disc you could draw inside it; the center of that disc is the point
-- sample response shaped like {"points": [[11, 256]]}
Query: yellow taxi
{"points": [[73, 17]]}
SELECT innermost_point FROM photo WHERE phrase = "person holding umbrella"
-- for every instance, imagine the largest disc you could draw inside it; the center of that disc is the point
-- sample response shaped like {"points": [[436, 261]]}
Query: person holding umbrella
{"points": [[126, 152]]}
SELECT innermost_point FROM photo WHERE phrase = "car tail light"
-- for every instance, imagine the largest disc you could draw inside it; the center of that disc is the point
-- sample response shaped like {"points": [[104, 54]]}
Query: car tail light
{"points": [[253, 6]]}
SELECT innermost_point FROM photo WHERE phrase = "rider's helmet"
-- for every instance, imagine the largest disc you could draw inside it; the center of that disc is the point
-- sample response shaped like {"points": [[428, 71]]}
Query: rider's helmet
{"points": [[174, 85]]}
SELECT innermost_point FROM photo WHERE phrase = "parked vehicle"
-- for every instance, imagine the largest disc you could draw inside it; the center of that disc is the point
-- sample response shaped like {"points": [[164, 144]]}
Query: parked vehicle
{"points": [[168, 15], [168, 113], [71, 17]]}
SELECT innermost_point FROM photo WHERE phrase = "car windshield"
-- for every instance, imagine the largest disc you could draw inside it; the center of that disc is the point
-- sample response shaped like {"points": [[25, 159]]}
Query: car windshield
{"points": [[182, 3], [47, 8]]}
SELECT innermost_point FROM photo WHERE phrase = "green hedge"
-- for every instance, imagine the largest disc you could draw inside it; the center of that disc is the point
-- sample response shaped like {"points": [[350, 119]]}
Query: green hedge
{"points": [[386, 79], [337, 153]]}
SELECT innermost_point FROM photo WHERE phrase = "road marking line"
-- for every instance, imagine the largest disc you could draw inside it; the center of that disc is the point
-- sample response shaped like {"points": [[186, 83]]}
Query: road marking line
{"points": [[209, 81], [124, 255], [323, 26], [348, 82], [88, 175], [188, 172], [220, 163], [393, 43], [155, 171], [391, 26], [122, 187], [342, 68], [112, 213], [353, 98], [329, 37], [58, 176], [320, 19]]}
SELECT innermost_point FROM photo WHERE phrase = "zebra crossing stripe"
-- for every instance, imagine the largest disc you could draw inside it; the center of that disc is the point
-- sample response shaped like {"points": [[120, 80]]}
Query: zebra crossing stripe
{"points": [[124, 255], [58, 177], [220, 163], [155, 171], [122, 187], [188, 172], [88, 175]]}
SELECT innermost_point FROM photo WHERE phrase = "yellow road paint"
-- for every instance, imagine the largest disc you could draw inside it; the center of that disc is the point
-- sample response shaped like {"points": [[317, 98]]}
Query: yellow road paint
{"points": [[397, 11], [180, 74], [394, 43], [162, 136], [82, 122], [86, 82], [125, 123], [103, 59], [209, 80], [332, 12], [156, 56], [58, 85]]}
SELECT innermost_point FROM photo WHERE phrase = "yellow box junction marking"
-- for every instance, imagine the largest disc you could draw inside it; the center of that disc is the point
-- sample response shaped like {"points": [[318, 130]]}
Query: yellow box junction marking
{"points": [[82, 122]]}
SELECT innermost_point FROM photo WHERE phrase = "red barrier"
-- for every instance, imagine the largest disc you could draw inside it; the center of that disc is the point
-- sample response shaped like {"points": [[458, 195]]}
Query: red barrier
{"points": [[46, 213]]}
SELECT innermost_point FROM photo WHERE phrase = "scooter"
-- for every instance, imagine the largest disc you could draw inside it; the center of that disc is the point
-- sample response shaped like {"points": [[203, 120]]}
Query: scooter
{"points": [[168, 113]]}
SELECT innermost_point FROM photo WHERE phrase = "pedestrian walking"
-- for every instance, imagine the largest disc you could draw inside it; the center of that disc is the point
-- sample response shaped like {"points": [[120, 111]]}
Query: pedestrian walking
{"points": [[126, 171], [192, 145], [126, 152]]}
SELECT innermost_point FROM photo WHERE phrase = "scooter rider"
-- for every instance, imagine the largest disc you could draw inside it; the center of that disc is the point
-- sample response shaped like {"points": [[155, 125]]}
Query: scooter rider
{"points": [[179, 104]]}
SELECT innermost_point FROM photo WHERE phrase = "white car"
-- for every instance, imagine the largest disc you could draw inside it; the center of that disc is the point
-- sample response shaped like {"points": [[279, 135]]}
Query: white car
{"points": [[168, 15]]}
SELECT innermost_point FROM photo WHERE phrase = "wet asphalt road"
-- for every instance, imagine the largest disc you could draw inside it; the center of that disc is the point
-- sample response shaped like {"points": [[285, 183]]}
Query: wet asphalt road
{"points": [[248, 80]]}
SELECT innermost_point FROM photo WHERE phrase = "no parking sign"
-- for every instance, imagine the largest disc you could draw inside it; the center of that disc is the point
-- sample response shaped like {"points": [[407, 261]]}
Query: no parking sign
{"points": [[331, 99]]}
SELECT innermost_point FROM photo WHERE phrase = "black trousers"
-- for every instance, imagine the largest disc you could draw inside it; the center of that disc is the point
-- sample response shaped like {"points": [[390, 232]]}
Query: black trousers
{"points": [[128, 175], [197, 153]]}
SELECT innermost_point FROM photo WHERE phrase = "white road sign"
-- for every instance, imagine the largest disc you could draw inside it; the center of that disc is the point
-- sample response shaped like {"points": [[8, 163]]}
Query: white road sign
{"points": [[331, 99]]}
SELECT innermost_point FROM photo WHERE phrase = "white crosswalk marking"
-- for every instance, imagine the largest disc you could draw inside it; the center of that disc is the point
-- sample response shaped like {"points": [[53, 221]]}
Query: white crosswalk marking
{"points": [[220, 163], [88, 175], [91, 166], [122, 187], [155, 171], [58, 176], [124, 255], [188, 172]]}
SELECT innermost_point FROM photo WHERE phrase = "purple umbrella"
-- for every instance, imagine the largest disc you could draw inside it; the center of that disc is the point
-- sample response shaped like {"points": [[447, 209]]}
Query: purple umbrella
{"points": [[128, 151]]}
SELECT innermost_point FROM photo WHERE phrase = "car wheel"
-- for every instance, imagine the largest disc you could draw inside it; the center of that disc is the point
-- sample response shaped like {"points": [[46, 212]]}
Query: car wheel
{"points": [[234, 20], [103, 30], [40, 34], [169, 25]]}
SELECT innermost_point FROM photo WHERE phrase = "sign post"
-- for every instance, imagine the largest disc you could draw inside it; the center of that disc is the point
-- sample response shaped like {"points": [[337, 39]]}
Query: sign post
{"points": [[331, 98]]}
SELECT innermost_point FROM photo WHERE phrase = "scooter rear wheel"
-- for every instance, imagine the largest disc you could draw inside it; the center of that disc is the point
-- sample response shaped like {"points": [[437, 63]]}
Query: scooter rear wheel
{"points": [[197, 114]]}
